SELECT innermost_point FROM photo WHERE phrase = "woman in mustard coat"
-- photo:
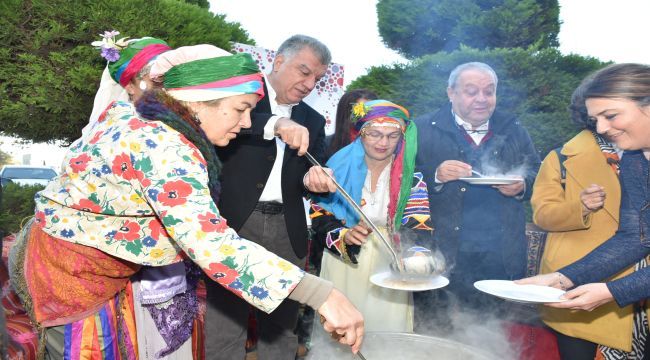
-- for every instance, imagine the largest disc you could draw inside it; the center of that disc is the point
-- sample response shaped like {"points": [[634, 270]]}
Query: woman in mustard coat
{"points": [[580, 212]]}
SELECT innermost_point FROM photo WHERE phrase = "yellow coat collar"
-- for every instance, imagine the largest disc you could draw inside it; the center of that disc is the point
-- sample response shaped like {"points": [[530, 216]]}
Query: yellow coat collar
{"points": [[586, 165]]}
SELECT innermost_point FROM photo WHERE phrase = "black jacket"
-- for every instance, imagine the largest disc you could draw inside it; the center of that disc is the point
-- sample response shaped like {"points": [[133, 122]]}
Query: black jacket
{"points": [[510, 148], [247, 163]]}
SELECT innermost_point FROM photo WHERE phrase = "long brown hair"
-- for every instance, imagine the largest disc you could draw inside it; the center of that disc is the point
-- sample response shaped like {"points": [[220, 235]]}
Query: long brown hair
{"points": [[628, 81], [341, 135]]}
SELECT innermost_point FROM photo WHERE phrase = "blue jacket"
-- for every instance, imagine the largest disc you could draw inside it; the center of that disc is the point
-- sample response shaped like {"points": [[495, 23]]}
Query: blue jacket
{"points": [[631, 242], [510, 149]]}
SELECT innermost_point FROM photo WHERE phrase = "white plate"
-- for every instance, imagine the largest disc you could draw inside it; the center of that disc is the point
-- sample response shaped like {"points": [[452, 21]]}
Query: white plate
{"points": [[508, 290], [388, 279], [491, 180]]}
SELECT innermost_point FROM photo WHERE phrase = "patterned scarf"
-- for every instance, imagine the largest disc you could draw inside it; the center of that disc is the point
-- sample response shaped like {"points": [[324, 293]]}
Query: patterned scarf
{"points": [[609, 151]]}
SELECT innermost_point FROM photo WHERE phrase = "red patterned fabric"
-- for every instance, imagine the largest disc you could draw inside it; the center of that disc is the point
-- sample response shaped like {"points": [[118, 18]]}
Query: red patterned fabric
{"points": [[534, 342], [86, 278], [22, 342]]}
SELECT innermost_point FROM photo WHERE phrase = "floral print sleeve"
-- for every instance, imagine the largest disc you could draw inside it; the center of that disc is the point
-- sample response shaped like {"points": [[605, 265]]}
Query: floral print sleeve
{"points": [[178, 192], [138, 190]]}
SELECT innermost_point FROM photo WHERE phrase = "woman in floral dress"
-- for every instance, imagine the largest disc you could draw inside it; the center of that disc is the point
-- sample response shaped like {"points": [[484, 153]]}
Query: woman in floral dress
{"points": [[141, 190]]}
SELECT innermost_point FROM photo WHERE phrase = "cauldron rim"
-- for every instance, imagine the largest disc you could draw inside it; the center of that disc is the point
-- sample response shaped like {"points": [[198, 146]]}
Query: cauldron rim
{"points": [[480, 354]]}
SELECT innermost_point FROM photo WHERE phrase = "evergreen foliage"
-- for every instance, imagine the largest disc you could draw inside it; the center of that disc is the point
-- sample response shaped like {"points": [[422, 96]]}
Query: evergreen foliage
{"points": [[534, 85], [420, 27], [49, 72], [205, 4], [5, 158], [16, 205]]}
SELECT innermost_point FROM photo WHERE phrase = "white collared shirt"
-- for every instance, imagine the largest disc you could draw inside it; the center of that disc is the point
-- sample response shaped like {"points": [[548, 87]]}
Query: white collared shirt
{"points": [[273, 188], [477, 134]]}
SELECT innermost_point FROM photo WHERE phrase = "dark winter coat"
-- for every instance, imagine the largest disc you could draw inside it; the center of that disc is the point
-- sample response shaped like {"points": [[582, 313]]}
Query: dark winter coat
{"points": [[510, 149]]}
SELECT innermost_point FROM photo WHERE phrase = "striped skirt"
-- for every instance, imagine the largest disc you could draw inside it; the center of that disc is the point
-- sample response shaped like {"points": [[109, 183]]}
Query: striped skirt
{"points": [[108, 334]]}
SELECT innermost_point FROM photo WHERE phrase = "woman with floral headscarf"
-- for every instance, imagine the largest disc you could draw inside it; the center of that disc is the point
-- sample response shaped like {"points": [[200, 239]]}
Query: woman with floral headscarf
{"points": [[142, 190], [377, 170]]}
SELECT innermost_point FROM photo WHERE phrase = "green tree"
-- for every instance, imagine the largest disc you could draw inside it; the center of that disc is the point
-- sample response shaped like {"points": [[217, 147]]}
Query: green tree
{"points": [[5, 159], [16, 206], [49, 72], [420, 27], [200, 3], [535, 85]]}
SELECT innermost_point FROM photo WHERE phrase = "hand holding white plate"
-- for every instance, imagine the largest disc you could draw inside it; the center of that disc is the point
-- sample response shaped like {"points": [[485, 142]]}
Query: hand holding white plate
{"points": [[508, 290]]}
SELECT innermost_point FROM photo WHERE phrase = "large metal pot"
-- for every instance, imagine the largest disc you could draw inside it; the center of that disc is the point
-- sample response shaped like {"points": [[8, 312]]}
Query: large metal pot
{"points": [[393, 345]]}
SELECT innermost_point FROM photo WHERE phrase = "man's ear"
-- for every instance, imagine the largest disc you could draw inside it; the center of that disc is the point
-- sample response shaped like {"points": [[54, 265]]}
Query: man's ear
{"points": [[450, 93], [277, 62]]}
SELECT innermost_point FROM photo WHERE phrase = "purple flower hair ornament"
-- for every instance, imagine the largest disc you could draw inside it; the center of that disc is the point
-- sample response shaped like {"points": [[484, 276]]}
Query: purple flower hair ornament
{"points": [[110, 48]]}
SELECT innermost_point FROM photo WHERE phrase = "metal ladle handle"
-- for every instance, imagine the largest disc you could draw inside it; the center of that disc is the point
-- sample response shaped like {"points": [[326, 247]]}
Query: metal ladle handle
{"points": [[360, 212]]}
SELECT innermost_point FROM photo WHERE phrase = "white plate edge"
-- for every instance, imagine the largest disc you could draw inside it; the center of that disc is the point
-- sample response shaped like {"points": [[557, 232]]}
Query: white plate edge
{"points": [[511, 298]]}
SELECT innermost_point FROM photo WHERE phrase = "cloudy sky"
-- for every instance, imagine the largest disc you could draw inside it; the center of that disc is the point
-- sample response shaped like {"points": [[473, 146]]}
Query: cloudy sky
{"points": [[605, 29]]}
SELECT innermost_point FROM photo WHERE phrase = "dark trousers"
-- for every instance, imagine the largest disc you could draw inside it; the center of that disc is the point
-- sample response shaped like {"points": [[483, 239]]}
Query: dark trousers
{"points": [[574, 348], [307, 314], [226, 318]]}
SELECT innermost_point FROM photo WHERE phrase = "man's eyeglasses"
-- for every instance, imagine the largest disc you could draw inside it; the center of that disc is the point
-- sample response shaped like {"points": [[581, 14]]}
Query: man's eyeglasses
{"points": [[375, 136]]}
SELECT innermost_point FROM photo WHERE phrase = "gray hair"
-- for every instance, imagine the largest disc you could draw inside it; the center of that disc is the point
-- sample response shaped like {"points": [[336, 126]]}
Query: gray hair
{"points": [[453, 76], [294, 44]]}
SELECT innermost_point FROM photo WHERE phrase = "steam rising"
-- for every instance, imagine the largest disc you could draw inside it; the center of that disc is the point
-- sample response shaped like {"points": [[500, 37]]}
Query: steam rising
{"points": [[487, 330], [491, 166], [461, 335], [445, 329]]}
